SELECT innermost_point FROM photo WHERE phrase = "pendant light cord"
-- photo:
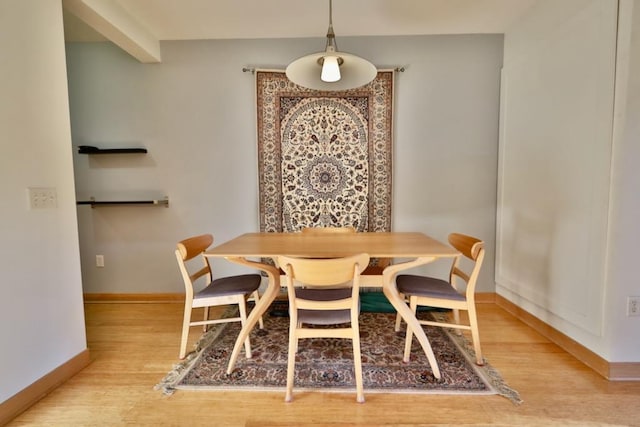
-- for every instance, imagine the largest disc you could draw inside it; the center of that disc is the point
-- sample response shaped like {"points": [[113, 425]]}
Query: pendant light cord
{"points": [[331, 37], [331, 13]]}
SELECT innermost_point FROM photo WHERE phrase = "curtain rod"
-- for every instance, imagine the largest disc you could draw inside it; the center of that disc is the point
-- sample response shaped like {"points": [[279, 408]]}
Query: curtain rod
{"points": [[252, 70]]}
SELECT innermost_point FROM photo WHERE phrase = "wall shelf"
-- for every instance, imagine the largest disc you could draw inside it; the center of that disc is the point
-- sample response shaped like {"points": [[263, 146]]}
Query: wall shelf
{"points": [[88, 149], [144, 201], [151, 202]]}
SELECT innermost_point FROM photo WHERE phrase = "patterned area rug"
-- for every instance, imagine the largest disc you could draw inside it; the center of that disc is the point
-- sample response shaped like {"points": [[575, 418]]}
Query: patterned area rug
{"points": [[324, 158], [327, 364]]}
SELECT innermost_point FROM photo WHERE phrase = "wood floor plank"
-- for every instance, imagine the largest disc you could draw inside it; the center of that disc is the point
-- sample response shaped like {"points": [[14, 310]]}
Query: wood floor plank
{"points": [[133, 346]]}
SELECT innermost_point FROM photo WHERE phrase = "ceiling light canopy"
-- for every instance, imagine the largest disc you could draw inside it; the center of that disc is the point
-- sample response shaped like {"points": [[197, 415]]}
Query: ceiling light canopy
{"points": [[331, 69]]}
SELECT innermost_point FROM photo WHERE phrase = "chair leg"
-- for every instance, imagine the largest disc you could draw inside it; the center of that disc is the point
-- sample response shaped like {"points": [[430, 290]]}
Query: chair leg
{"points": [[407, 343], [357, 363], [243, 319], [475, 334], [456, 318], [297, 340], [186, 322], [256, 298], [398, 318], [291, 359], [206, 317]]}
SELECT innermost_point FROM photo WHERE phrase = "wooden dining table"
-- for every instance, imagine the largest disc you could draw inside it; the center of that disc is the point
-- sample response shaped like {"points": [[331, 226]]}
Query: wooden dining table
{"points": [[409, 249]]}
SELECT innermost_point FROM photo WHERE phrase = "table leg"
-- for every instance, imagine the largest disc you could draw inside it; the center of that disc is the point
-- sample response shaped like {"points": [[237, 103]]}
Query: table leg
{"points": [[270, 294], [391, 292]]}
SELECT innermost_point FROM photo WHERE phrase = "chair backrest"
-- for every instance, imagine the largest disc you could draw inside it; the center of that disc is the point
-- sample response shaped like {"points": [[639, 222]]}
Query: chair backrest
{"points": [[319, 272], [328, 230], [473, 249], [186, 251], [330, 274]]}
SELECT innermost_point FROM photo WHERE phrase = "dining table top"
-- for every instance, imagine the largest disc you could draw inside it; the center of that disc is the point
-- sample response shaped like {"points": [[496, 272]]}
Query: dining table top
{"points": [[396, 244]]}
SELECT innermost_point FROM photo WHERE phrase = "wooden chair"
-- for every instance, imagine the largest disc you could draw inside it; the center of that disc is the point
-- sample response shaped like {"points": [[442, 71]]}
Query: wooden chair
{"points": [[433, 292], [222, 291], [375, 266], [330, 297]]}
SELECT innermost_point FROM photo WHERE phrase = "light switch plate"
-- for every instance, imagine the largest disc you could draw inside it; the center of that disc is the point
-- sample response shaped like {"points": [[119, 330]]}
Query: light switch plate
{"points": [[42, 198]]}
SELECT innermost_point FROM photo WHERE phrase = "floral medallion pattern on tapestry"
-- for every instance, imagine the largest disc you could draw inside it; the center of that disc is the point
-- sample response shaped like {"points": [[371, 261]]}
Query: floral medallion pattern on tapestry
{"points": [[324, 157]]}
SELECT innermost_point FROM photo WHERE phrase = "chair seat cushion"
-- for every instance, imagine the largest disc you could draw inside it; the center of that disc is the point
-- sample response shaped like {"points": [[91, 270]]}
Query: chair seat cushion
{"points": [[424, 286], [323, 294], [244, 284], [324, 317]]}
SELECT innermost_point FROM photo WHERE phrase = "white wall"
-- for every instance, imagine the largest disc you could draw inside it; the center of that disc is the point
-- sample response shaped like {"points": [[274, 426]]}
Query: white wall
{"points": [[195, 113], [622, 333], [41, 311], [554, 242]]}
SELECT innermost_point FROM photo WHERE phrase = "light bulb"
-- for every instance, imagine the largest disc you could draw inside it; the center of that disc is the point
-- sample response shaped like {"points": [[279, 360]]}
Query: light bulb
{"points": [[330, 69]]}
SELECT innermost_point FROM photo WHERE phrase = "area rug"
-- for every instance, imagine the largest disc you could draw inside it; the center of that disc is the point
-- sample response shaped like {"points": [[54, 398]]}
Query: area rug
{"points": [[327, 364], [324, 158]]}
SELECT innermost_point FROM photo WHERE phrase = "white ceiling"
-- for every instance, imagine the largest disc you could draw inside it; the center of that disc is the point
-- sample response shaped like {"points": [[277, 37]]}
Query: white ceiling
{"points": [[242, 19]]}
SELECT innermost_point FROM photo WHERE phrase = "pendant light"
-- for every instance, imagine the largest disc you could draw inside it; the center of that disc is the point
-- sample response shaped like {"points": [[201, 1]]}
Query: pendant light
{"points": [[331, 69]]}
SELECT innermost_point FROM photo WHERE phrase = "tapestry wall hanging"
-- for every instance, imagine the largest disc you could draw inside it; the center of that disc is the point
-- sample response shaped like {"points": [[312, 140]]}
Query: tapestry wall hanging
{"points": [[324, 158]]}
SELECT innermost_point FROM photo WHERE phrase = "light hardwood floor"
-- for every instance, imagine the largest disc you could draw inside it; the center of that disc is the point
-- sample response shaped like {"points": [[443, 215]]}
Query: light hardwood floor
{"points": [[134, 345]]}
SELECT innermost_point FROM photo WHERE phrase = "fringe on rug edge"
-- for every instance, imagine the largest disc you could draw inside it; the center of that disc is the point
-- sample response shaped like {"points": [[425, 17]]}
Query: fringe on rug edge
{"points": [[173, 377], [492, 374]]}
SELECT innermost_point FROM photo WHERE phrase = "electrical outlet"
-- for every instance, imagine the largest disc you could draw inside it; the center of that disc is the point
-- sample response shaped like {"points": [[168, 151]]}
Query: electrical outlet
{"points": [[633, 306], [42, 198], [99, 260]]}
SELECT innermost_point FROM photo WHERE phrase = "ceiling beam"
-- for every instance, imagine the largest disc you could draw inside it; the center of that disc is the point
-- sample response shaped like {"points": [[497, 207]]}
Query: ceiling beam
{"points": [[113, 22]]}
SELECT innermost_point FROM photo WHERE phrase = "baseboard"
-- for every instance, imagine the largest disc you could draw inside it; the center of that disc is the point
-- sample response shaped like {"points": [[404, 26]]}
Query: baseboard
{"points": [[485, 297], [613, 371], [624, 371], [133, 298], [21, 401]]}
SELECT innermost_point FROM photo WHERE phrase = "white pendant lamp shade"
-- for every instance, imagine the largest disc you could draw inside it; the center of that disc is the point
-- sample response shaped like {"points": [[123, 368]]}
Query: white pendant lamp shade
{"points": [[354, 72], [331, 69]]}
